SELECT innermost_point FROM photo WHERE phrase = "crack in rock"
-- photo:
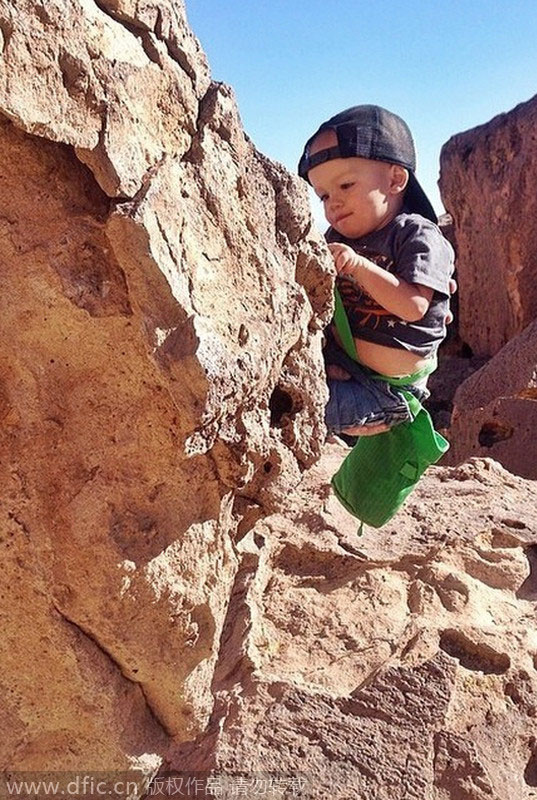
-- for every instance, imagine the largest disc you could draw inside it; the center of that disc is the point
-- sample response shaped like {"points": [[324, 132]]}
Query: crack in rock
{"points": [[90, 635]]}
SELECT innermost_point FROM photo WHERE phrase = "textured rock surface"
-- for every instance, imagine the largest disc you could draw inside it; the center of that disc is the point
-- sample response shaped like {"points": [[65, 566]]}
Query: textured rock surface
{"points": [[487, 181], [175, 584], [396, 665], [452, 371], [452, 343], [119, 80], [495, 409], [161, 315], [456, 362]]}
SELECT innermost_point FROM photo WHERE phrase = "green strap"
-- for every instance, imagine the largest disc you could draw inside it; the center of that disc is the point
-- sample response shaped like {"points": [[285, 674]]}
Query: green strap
{"points": [[416, 376], [343, 327]]}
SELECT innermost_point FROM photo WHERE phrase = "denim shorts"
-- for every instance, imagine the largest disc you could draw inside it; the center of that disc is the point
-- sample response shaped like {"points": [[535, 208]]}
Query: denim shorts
{"points": [[362, 400]]}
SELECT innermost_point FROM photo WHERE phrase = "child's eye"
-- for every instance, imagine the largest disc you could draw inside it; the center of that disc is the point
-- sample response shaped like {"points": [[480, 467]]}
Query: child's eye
{"points": [[347, 185]]}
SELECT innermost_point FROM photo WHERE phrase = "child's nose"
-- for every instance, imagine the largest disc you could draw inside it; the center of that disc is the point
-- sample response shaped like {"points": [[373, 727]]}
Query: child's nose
{"points": [[335, 201]]}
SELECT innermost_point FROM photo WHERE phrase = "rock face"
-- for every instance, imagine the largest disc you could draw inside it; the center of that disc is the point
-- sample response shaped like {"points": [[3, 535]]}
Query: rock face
{"points": [[163, 299], [495, 409], [487, 182], [179, 587], [400, 664]]}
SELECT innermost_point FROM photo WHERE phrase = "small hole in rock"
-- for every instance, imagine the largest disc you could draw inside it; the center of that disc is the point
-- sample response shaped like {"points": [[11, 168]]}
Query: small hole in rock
{"points": [[515, 523], [528, 589], [474, 656], [492, 432], [280, 403], [466, 153], [466, 351], [530, 773]]}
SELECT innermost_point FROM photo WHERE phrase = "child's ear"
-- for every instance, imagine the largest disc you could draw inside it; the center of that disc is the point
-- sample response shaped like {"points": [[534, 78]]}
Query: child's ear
{"points": [[399, 179]]}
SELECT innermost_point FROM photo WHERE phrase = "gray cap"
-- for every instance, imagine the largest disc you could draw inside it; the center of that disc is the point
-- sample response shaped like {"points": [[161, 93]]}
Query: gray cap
{"points": [[375, 133]]}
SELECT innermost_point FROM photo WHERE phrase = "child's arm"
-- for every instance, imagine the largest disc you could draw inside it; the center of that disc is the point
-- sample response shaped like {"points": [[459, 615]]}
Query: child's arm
{"points": [[409, 301]]}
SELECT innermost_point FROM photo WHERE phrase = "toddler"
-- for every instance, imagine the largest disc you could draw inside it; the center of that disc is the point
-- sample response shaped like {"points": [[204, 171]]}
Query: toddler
{"points": [[393, 266]]}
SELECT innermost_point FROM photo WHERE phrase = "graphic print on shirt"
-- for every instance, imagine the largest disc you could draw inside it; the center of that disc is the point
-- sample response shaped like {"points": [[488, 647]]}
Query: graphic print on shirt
{"points": [[362, 310]]}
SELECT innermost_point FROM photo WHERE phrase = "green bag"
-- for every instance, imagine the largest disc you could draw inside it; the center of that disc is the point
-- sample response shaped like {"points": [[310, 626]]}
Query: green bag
{"points": [[380, 471]]}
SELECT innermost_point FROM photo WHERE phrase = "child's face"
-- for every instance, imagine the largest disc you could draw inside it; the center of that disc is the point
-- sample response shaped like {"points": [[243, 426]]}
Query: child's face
{"points": [[357, 193]]}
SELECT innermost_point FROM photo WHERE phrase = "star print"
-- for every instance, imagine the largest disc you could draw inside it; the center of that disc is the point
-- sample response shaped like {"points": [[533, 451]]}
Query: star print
{"points": [[391, 323]]}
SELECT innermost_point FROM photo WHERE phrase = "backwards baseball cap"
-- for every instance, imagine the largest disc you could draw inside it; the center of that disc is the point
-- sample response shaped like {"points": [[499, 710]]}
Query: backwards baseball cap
{"points": [[372, 132]]}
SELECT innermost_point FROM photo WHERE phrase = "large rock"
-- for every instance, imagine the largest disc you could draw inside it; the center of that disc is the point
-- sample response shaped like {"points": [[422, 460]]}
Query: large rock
{"points": [[163, 299], [178, 583], [396, 665], [487, 183], [495, 409], [119, 80]]}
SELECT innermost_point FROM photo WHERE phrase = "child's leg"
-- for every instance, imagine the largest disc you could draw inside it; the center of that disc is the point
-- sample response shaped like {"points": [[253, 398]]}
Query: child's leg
{"points": [[365, 430]]}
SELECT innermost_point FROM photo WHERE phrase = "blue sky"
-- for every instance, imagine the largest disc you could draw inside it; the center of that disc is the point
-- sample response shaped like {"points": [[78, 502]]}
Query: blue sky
{"points": [[443, 66]]}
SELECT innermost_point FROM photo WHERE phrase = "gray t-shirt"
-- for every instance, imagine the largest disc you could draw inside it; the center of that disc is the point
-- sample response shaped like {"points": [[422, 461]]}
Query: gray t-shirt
{"points": [[414, 249]]}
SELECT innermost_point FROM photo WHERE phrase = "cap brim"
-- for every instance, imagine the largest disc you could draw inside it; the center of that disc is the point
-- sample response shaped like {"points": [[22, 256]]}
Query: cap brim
{"points": [[416, 201]]}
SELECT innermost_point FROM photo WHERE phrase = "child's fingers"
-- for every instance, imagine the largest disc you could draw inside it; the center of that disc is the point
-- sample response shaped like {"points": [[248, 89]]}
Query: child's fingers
{"points": [[338, 250], [366, 430], [337, 373], [335, 251], [345, 265], [343, 258], [340, 263]]}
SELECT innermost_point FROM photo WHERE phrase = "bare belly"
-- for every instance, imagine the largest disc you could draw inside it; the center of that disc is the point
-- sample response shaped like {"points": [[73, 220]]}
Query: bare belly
{"points": [[387, 360]]}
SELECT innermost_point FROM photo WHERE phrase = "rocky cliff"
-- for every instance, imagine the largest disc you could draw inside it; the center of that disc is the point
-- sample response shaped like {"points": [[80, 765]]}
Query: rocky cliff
{"points": [[397, 665], [163, 300], [487, 183], [495, 409], [180, 590]]}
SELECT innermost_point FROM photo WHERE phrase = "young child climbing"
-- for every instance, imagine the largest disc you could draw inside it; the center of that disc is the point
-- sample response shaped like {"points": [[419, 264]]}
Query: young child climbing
{"points": [[393, 266]]}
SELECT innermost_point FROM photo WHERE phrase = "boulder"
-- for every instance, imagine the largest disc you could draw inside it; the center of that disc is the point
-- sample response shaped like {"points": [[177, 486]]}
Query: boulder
{"points": [[495, 409], [163, 300], [397, 664], [180, 590], [487, 181]]}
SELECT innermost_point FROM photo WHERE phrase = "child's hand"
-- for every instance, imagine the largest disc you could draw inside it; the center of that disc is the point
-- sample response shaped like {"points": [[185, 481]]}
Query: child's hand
{"points": [[345, 259], [337, 373], [452, 289]]}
